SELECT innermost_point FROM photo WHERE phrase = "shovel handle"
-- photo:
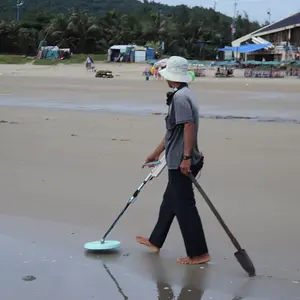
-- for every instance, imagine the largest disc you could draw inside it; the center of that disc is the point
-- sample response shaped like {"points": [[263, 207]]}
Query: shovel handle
{"points": [[218, 216]]}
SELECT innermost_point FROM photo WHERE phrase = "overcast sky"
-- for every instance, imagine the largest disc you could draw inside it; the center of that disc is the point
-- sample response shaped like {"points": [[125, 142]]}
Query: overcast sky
{"points": [[256, 9]]}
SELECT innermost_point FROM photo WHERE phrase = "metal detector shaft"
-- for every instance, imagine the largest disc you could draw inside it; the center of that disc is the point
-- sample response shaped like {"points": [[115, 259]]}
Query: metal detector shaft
{"points": [[209, 203], [131, 200], [154, 173]]}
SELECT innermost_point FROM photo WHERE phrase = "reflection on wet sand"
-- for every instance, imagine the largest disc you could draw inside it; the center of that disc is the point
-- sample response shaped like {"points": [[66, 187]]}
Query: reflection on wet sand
{"points": [[165, 292], [104, 255], [115, 281], [192, 283]]}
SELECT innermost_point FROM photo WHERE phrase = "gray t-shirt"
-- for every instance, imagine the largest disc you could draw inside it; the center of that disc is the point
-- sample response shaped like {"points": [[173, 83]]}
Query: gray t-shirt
{"points": [[183, 109]]}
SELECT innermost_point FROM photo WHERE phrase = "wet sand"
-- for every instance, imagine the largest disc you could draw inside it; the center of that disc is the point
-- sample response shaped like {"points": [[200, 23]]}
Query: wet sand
{"points": [[66, 173]]}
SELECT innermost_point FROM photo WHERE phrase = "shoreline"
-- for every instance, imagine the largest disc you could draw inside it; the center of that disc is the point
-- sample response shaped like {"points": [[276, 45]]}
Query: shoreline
{"points": [[130, 110]]}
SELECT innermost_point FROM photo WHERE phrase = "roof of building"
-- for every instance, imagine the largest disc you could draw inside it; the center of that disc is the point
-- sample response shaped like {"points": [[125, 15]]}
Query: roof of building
{"points": [[289, 21]]}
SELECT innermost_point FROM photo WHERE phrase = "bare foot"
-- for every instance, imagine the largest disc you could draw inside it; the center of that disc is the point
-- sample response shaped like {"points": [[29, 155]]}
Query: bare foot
{"points": [[195, 260], [145, 242]]}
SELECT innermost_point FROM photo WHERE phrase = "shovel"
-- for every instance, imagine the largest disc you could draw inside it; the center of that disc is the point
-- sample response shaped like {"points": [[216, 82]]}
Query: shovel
{"points": [[241, 255]]}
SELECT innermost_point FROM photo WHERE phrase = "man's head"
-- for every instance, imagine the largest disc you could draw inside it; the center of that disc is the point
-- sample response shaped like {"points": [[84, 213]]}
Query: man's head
{"points": [[176, 71]]}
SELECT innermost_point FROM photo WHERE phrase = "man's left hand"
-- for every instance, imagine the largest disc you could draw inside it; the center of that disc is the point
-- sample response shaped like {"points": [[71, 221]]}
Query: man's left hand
{"points": [[185, 167]]}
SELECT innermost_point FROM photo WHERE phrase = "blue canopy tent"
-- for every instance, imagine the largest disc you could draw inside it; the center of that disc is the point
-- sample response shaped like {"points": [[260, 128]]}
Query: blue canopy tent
{"points": [[246, 48]]}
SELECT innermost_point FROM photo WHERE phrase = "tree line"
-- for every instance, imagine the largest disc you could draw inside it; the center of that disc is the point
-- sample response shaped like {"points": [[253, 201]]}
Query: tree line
{"points": [[195, 33]]}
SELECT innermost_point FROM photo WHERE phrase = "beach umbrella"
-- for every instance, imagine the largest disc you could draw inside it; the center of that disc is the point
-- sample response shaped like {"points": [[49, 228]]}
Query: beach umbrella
{"points": [[271, 63], [251, 62], [104, 244], [161, 63]]}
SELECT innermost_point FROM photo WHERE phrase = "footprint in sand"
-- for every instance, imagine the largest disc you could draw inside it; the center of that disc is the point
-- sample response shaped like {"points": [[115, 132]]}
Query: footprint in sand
{"points": [[6, 122]]}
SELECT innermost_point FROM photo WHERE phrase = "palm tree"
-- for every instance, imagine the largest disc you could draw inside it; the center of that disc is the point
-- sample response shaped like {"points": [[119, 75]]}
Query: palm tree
{"points": [[181, 28], [9, 36], [56, 33], [28, 38]]}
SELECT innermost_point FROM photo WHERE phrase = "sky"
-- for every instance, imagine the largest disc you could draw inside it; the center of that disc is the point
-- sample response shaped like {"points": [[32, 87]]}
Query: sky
{"points": [[256, 9]]}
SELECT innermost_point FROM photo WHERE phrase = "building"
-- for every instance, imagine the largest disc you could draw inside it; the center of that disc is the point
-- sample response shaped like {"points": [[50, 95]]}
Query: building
{"points": [[283, 35], [130, 53]]}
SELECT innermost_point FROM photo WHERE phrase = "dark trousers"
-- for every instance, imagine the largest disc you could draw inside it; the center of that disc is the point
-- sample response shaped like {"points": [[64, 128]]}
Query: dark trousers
{"points": [[179, 201]]}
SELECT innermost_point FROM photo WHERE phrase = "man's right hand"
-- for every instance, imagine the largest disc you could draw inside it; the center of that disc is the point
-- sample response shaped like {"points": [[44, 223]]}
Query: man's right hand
{"points": [[154, 156], [151, 158]]}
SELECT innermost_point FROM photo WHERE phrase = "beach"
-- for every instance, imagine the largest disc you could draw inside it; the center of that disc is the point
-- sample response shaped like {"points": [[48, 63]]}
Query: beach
{"points": [[71, 152]]}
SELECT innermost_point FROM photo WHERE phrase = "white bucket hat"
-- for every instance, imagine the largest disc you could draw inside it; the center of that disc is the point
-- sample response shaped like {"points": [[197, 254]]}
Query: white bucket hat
{"points": [[177, 70]]}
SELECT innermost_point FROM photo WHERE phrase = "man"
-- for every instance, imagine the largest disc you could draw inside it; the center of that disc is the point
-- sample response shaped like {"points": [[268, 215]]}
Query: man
{"points": [[88, 63], [182, 156]]}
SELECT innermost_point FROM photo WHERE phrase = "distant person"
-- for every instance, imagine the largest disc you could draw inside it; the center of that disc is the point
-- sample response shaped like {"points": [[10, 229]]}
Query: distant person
{"points": [[182, 156], [88, 63], [156, 75]]}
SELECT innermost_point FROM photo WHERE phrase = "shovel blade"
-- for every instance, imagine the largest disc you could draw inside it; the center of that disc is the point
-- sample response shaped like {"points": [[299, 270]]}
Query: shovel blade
{"points": [[245, 261]]}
